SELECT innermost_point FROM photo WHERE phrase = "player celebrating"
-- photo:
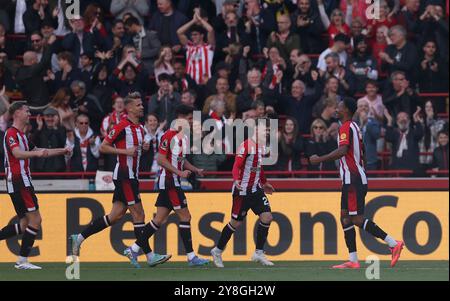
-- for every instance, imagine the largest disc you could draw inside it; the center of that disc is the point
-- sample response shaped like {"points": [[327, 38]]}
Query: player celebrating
{"points": [[126, 140], [174, 166], [248, 193], [18, 152], [354, 185]]}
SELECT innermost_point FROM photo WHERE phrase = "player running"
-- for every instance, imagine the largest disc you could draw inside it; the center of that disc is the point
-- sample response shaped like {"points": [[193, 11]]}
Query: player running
{"points": [[174, 166], [249, 188], [354, 185], [126, 140], [18, 152]]}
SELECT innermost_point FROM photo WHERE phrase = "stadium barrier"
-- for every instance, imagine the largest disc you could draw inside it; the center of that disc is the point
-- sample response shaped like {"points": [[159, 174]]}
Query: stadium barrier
{"points": [[306, 227]]}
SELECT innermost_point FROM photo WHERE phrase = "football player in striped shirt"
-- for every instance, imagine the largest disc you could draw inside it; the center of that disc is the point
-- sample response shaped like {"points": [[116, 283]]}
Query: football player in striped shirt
{"points": [[18, 152], [126, 141], [174, 167], [249, 188], [350, 154]]}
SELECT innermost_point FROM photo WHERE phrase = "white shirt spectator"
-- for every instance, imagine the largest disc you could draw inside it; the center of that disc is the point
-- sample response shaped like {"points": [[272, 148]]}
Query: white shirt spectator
{"points": [[321, 65], [21, 7]]}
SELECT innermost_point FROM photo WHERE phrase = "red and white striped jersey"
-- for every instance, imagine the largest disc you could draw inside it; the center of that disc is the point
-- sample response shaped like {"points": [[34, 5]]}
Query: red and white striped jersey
{"points": [[126, 135], [352, 165], [17, 171], [174, 147], [247, 167], [199, 60]]}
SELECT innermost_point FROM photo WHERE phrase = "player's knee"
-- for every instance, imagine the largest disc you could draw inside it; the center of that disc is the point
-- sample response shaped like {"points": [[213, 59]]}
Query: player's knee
{"points": [[266, 217], [114, 218], [35, 222], [139, 217], [345, 221], [235, 224], [357, 221], [185, 217]]}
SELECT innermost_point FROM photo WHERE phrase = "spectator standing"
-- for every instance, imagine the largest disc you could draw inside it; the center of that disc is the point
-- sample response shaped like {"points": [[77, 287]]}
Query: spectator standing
{"points": [[164, 63], [49, 134], [405, 141], [401, 55], [259, 23], [285, 39], [399, 97], [371, 132], [341, 43], [362, 64], [308, 26], [87, 104], [78, 41], [320, 143], [145, 42], [199, 55], [36, 13], [164, 102], [166, 21], [440, 154], [432, 126], [85, 147], [153, 133], [289, 146], [61, 103], [337, 23], [139, 9], [30, 76]]}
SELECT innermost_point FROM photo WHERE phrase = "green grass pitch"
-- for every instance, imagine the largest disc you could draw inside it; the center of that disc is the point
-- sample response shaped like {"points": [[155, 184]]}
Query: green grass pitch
{"points": [[233, 271]]}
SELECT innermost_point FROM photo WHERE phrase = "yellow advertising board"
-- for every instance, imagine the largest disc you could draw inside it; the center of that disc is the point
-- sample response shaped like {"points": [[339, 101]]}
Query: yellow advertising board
{"points": [[306, 227]]}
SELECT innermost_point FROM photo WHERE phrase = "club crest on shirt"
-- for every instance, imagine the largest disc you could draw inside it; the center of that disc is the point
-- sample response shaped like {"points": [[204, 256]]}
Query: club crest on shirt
{"points": [[11, 141], [164, 145], [343, 136], [112, 133]]}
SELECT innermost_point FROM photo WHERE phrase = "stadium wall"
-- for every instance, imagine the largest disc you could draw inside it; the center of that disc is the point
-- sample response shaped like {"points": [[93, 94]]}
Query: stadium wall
{"points": [[309, 222]]}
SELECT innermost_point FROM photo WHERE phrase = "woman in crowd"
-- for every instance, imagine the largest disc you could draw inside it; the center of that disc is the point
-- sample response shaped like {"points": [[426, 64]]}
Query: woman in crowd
{"points": [[320, 144], [61, 103]]}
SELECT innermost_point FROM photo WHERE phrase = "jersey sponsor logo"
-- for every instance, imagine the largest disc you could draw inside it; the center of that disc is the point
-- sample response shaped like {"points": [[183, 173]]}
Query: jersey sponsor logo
{"points": [[12, 141], [112, 133]]}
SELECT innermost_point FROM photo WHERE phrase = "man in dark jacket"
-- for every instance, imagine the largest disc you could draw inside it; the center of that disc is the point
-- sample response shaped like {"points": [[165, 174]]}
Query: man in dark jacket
{"points": [[146, 42], [49, 134], [405, 141], [300, 106], [71, 41], [33, 19], [166, 22], [398, 95], [440, 154], [87, 104], [30, 76], [401, 55], [309, 27]]}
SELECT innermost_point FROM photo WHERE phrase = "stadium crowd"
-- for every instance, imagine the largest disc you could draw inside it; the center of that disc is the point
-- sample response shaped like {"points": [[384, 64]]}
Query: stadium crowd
{"points": [[293, 60]]}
